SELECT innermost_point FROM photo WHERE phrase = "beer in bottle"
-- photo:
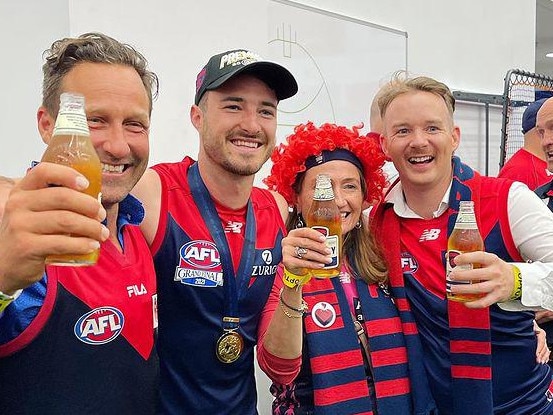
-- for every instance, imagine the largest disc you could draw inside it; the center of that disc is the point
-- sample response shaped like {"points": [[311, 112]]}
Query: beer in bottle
{"points": [[464, 238], [70, 145], [324, 216]]}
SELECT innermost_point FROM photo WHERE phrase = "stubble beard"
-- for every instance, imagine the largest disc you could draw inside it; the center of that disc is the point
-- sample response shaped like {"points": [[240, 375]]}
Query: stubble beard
{"points": [[238, 166], [239, 169]]}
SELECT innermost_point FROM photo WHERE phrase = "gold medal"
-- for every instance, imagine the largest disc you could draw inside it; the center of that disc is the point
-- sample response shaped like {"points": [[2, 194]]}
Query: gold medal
{"points": [[229, 347]]}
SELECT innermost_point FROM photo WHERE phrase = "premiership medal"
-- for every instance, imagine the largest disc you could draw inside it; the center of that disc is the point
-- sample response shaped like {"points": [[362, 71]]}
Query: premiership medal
{"points": [[229, 347]]}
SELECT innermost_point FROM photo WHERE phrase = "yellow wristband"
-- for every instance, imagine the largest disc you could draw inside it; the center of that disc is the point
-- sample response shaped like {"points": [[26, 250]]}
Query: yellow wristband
{"points": [[516, 294], [292, 280]]}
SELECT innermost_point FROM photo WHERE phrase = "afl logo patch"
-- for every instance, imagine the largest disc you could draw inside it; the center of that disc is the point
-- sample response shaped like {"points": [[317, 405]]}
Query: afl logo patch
{"points": [[200, 255], [100, 326], [323, 314], [408, 263], [199, 265]]}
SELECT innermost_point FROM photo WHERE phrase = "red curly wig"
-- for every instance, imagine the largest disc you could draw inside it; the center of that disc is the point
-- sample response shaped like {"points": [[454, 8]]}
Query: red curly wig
{"points": [[308, 140]]}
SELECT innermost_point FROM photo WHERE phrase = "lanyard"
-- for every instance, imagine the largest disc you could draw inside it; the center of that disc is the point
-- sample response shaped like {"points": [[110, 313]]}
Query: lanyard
{"points": [[234, 287]]}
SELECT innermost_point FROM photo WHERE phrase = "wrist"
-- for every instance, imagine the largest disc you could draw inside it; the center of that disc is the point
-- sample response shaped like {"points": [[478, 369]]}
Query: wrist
{"points": [[516, 293], [300, 309], [292, 280]]}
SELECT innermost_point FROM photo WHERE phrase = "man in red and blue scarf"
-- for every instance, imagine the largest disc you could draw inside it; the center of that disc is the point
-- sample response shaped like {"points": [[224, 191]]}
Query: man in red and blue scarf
{"points": [[469, 349]]}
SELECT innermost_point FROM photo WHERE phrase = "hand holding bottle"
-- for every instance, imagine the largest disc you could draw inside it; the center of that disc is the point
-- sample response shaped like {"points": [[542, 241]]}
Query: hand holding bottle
{"points": [[465, 237], [70, 145], [40, 220], [324, 216], [491, 283], [312, 249]]}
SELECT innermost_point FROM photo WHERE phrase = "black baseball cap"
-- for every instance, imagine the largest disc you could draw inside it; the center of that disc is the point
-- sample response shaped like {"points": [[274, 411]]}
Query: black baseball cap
{"points": [[222, 67]]}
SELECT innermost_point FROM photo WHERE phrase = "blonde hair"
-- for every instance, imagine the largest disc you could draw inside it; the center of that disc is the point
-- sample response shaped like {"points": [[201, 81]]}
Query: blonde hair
{"points": [[401, 84]]}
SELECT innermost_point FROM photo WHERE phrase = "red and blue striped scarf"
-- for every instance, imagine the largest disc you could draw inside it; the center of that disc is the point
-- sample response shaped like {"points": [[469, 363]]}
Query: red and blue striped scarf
{"points": [[338, 373], [470, 336]]}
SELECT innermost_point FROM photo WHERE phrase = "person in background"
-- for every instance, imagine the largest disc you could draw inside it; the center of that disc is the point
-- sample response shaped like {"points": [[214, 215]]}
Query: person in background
{"points": [[80, 340], [528, 164], [544, 129], [375, 123], [216, 238], [469, 348], [341, 349]]}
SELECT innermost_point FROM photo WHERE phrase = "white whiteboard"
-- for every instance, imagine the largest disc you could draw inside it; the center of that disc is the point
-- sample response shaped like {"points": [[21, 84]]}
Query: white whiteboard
{"points": [[339, 63]]}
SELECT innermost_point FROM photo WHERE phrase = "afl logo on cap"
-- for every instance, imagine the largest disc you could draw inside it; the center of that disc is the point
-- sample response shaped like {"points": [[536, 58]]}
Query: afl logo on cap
{"points": [[100, 326]]}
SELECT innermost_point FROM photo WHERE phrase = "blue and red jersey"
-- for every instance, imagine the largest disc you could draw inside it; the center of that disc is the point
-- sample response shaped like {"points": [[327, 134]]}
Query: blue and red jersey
{"points": [[192, 299], [90, 347]]}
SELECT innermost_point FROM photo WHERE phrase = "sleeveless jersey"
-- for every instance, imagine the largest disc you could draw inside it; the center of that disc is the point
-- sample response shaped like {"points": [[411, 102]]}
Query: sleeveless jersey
{"points": [[191, 307], [90, 349]]}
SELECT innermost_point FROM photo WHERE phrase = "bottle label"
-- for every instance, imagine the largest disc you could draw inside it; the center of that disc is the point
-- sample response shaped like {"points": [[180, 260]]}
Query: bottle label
{"points": [[71, 121], [465, 221], [333, 243], [466, 218], [450, 265]]}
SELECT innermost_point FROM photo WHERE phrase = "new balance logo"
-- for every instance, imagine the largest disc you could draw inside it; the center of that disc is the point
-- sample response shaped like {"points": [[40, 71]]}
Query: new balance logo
{"points": [[430, 235], [233, 227]]}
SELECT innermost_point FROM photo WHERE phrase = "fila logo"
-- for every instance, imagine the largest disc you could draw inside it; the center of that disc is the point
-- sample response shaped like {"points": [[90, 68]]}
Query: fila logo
{"points": [[430, 235], [136, 290]]}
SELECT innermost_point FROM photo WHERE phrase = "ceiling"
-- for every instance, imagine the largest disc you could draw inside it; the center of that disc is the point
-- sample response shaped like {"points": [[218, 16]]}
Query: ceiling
{"points": [[544, 37]]}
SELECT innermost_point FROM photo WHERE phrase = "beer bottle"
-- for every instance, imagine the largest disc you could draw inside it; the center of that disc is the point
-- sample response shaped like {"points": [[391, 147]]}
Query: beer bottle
{"points": [[324, 216], [70, 145], [464, 238]]}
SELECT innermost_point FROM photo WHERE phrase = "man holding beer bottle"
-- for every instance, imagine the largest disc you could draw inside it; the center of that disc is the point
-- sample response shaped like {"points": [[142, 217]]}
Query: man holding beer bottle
{"points": [[480, 358], [80, 340]]}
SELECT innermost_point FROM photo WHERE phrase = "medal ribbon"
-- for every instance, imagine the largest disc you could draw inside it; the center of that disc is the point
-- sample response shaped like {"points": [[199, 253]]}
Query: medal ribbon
{"points": [[234, 286]]}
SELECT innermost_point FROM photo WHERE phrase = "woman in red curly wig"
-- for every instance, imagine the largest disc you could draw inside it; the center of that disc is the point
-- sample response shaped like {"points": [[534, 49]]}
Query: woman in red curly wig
{"points": [[335, 346]]}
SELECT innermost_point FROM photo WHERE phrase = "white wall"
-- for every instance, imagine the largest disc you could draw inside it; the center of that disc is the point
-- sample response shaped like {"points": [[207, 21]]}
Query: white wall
{"points": [[23, 37], [467, 44], [470, 45]]}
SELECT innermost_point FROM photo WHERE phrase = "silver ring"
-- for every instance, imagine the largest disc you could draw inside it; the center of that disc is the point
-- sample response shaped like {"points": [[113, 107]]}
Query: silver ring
{"points": [[300, 252]]}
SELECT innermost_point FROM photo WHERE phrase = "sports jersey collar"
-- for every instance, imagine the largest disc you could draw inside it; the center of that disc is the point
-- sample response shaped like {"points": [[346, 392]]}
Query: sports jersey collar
{"points": [[131, 211], [395, 196]]}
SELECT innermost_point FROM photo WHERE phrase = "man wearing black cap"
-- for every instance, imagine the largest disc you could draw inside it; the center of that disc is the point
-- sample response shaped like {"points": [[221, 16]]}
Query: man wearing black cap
{"points": [[216, 238], [528, 164]]}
